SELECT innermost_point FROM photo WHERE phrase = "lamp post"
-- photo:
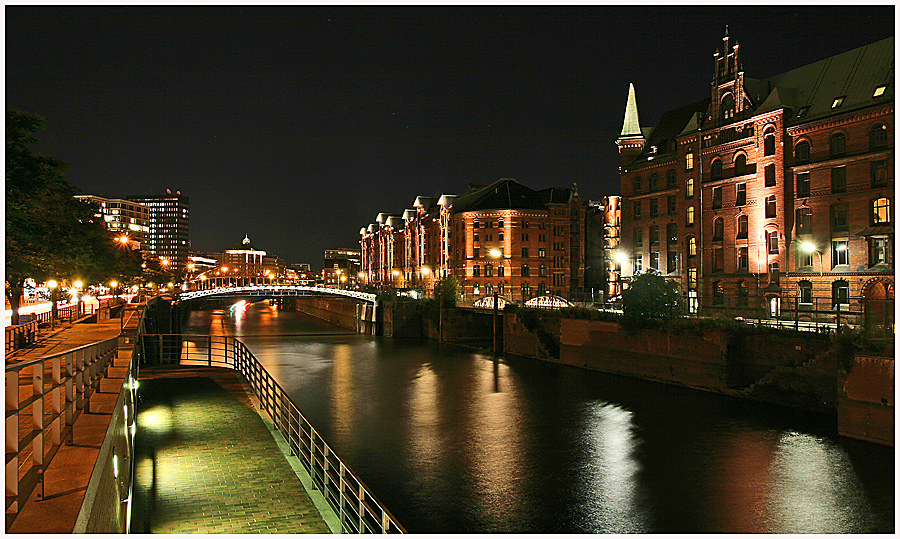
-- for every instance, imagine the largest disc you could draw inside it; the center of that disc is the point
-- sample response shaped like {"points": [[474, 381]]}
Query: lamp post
{"points": [[496, 255], [115, 290], [52, 285], [77, 285]]}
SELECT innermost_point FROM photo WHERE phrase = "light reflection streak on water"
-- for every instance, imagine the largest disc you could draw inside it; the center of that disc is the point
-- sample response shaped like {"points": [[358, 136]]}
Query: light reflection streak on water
{"points": [[343, 397], [609, 477], [424, 422]]}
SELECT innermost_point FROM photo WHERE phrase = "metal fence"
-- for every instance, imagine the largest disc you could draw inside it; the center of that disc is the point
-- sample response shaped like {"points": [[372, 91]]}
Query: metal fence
{"points": [[358, 509]]}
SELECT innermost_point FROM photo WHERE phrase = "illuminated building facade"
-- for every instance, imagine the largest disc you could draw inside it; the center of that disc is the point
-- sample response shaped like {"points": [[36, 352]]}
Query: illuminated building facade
{"points": [[502, 237], [169, 219], [341, 268], [770, 191], [123, 217]]}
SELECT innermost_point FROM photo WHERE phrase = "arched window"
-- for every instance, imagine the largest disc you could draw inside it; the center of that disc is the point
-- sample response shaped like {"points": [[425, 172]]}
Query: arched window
{"points": [[542, 270], [728, 107], [740, 165], [715, 169], [881, 211], [769, 143], [476, 289], [718, 229], [718, 293], [689, 188], [801, 152], [692, 247], [488, 270], [526, 291], [743, 226], [689, 218], [636, 184], [653, 182], [542, 288], [804, 289], [476, 271], [878, 137], [526, 271], [840, 294], [670, 180], [743, 294], [501, 289], [838, 144], [501, 271]]}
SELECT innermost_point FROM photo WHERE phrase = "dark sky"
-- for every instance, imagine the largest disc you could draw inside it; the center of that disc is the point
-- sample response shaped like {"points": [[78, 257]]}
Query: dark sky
{"points": [[297, 125]]}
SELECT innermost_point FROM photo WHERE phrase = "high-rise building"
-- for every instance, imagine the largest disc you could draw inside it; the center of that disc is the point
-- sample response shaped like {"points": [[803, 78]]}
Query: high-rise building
{"points": [[125, 218], [341, 267], [169, 218], [770, 193]]}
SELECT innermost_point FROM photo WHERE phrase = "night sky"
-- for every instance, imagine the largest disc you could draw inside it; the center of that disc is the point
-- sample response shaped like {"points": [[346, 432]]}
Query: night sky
{"points": [[297, 125]]}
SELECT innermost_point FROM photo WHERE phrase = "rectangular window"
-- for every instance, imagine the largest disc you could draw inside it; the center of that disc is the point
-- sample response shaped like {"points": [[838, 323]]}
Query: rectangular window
{"points": [[717, 197], [718, 261], [637, 209], [689, 188], [671, 261], [524, 237], [804, 221], [741, 198], [524, 252], [838, 179], [770, 175], [878, 249], [743, 258], [476, 252], [670, 205], [654, 207], [500, 237], [654, 261], [879, 173], [671, 234], [638, 237], [654, 235], [840, 253], [475, 237], [772, 242], [689, 216], [804, 258], [771, 210], [689, 161], [542, 253], [839, 222], [692, 278], [802, 184]]}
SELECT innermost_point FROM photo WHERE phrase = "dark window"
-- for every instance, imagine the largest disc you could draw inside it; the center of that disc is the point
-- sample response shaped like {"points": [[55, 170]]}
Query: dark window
{"points": [[654, 235], [670, 180], [671, 261], [839, 221], [718, 260], [501, 271], [488, 270], [526, 291], [838, 179], [771, 210], [878, 138], [654, 261], [526, 271], [653, 182], [769, 144], [838, 145], [715, 170], [718, 293], [770, 175], [802, 184], [476, 271], [741, 198], [636, 185], [670, 204], [718, 229], [717, 197], [524, 252], [542, 270], [740, 165], [801, 152], [542, 288], [772, 242], [476, 252], [879, 173], [743, 258], [742, 227], [804, 221], [654, 207], [743, 294], [805, 289], [878, 251], [637, 209], [840, 294], [671, 234], [638, 237]]}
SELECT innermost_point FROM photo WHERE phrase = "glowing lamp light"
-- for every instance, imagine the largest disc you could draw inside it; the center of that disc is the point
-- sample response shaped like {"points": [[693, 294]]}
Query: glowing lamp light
{"points": [[77, 284], [113, 284], [171, 284], [52, 283], [808, 247], [343, 278], [224, 268], [841, 247], [495, 253], [164, 261], [621, 257], [134, 288], [425, 271], [203, 277], [122, 239], [395, 273]]}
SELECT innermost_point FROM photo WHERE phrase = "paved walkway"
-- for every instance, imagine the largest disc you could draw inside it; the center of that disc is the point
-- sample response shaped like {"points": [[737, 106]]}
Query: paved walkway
{"points": [[206, 462]]}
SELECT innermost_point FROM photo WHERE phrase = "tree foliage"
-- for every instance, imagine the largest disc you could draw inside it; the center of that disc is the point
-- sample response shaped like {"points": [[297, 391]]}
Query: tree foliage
{"points": [[446, 291], [50, 234], [651, 298]]}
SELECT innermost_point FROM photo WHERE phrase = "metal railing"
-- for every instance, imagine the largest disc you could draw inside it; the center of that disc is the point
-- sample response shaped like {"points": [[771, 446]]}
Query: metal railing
{"points": [[41, 415], [358, 509], [21, 336]]}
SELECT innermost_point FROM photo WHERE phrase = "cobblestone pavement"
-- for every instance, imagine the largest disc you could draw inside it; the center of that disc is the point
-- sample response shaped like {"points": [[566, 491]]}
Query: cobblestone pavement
{"points": [[206, 463]]}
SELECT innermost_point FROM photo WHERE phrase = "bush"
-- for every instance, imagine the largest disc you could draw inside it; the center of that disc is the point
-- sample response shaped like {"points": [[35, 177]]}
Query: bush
{"points": [[650, 298]]}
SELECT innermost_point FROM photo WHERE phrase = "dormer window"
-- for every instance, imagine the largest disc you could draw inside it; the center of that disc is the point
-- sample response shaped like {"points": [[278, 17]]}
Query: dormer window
{"points": [[838, 101], [879, 91], [802, 112]]}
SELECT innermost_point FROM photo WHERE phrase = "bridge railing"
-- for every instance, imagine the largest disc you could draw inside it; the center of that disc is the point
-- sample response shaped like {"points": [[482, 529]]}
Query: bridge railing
{"points": [[358, 509], [276, 291]]}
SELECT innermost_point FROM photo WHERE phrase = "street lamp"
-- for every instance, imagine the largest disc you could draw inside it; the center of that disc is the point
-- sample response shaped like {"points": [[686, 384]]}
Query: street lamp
{"points": [[77, 286], [810, 248], [496, 254], [114, 285], [52, 284]]}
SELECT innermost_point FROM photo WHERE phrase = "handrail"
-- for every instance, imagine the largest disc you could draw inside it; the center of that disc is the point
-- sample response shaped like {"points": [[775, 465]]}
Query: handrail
{"points": [[283, 290], [358, 509], [20, 336]]}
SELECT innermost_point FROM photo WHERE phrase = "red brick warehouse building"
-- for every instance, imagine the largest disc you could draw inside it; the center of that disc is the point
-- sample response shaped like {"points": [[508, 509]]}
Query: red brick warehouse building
{"points": [[503, 236], [770, 194]]}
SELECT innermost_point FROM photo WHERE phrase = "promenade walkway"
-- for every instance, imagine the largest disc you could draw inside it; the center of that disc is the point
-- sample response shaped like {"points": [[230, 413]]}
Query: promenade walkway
{"points": [[206, 462]]}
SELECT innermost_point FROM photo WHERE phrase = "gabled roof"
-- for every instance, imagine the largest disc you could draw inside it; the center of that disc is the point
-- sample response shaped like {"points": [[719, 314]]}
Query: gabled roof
{"points": [[426, 203], [555, 195], [503, 194], [673, 123]]}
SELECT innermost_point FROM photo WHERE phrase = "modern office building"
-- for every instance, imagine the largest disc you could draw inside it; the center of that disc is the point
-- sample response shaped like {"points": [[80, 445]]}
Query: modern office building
{"points": [[340, 268], [169, 218], [128, 220]]}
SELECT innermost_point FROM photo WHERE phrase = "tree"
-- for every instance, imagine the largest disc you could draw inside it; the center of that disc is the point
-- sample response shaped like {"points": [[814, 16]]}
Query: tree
{"points": [[649, 298], [446, 291], [48, 232]]}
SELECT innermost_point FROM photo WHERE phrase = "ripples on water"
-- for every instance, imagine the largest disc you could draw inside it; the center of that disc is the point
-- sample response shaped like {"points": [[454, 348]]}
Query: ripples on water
{"points": [[452, 441]]}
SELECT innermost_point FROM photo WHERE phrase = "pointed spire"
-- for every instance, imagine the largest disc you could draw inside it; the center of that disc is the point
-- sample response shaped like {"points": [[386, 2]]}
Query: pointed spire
{"points": [[632, 126]]}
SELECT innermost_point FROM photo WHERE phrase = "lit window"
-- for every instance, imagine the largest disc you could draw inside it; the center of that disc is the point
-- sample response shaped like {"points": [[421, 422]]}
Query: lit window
{"points": [[881, 211], [690, 216], [840, 253], [689, 161], [879, 91], [838, 101], [692, 247], [689, 188]]}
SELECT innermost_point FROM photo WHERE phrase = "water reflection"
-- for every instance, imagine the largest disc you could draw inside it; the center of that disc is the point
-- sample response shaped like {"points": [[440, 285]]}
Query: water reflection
{"points": [[452, 441]]}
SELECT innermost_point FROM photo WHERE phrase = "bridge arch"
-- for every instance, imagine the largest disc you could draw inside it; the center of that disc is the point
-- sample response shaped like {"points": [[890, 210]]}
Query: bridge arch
{"points": [[276, 291]]}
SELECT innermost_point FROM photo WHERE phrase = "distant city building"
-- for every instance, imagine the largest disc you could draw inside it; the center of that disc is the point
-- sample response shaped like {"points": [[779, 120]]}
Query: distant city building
{"points": [[125, 218], [242, 265], [770, 193], [169, 219], [601, 274], [340, 268], [502, 237]]}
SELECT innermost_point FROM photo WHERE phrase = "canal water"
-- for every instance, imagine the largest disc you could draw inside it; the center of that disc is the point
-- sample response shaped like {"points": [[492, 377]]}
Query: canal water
{"points": [[452, 441]]}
